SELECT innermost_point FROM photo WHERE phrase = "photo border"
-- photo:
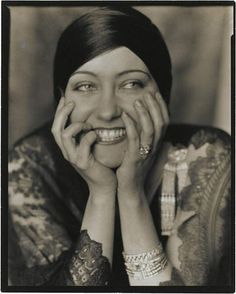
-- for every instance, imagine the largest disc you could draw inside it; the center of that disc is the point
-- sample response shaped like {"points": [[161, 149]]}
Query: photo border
{"points": [[4, 136]]}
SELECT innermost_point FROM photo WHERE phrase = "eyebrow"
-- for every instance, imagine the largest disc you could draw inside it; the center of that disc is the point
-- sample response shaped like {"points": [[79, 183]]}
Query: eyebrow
{"points": [[134, 70], [119, 74], [84, 72]]}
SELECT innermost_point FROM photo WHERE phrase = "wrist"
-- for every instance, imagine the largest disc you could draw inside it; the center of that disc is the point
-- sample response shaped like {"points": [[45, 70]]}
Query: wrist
{"points": [[108, 188], [102, 195], [131, 196], [132, 187], [130, 183]]}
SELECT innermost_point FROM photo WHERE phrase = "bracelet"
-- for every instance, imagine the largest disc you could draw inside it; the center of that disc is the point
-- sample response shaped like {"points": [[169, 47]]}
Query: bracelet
{"points": [[145, 265]]}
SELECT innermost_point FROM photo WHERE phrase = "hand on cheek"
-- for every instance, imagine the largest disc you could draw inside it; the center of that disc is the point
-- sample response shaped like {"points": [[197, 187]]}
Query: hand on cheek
{"points": [[152, 118], [151, 121], [146, 124], [159, 115], [80, 155]]}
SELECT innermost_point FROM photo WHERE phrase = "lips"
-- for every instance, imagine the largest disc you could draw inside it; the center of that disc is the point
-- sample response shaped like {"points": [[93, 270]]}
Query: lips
{"points": [[110, 136]]}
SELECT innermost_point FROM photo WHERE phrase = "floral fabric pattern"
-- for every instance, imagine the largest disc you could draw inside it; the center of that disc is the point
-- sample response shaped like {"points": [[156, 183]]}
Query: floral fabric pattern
{"points": [[38, 226], [207, 194], [46, 212]]}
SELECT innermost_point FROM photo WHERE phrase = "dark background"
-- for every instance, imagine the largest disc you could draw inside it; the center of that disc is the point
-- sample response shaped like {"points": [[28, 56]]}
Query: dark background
{"points": [[198, 39]]}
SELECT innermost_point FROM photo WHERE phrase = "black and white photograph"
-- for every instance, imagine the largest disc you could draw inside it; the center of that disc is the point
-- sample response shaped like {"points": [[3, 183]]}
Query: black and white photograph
{"points": [[118, 164]]}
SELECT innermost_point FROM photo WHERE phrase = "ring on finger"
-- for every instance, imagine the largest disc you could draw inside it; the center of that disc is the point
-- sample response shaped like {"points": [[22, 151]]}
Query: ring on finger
{"points": [[144, 150]]}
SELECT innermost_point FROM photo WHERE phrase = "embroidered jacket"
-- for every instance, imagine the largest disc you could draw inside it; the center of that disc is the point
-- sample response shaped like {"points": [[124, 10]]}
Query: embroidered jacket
{"points": [[47, 199]]}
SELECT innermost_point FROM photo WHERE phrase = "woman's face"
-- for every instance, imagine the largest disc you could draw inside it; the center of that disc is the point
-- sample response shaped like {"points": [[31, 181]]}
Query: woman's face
{"points": [[102, 89]]}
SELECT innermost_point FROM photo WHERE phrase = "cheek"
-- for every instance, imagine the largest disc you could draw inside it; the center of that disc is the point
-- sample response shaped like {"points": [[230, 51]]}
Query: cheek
{"points": [[80, 113], [82, 109], [129, 107]]}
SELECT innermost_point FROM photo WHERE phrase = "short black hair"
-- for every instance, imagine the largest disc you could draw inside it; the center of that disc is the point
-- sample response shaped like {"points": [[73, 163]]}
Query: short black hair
{"points": [[106, 28]]}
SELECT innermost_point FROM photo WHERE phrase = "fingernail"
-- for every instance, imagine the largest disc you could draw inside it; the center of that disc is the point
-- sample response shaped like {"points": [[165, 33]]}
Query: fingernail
{"points": [[138, 103]]}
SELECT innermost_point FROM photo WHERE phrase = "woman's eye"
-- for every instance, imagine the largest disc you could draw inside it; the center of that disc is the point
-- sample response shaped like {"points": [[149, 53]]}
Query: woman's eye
{"points": [[86, 87], [133, 85]]}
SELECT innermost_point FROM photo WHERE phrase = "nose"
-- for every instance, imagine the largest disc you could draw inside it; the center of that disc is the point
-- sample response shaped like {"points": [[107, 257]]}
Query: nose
{"points": [[108, 106]]}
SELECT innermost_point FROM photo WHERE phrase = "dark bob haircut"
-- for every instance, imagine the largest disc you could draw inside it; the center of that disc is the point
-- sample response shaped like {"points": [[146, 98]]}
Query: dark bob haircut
{"points": [[106, 28]]}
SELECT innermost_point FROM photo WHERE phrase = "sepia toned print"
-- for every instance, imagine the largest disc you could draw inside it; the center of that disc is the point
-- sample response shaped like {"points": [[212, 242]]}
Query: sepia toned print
{"points": [[123, 178]]}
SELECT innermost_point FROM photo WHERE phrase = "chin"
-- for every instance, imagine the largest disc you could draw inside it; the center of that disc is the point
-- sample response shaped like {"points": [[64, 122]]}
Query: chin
{"points": [[110, 156]]}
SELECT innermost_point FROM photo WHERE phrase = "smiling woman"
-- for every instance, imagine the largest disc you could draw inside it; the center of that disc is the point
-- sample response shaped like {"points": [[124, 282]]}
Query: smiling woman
{"points": [[101, 93], [108, 193]]}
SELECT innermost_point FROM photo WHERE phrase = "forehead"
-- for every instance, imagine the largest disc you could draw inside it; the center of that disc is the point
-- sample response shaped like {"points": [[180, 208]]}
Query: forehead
{"points": [[114, 61]]}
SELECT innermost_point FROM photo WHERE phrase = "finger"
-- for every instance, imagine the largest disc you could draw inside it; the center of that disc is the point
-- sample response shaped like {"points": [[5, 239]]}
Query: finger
{"points": [[147, 131], [132, 134], [59, 122], [157, 118], [163, 107], [60, 104], [83, 150], [68, 139], [164, 112], [60, 119], [63, 114]]}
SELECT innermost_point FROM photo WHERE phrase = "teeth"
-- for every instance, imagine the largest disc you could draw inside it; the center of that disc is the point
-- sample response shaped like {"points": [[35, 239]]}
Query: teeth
{"points": [[110, 135], [105, 133]]}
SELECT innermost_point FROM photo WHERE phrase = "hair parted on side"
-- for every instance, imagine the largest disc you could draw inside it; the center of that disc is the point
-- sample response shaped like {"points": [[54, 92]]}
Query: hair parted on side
{"points": [[106, 28]]}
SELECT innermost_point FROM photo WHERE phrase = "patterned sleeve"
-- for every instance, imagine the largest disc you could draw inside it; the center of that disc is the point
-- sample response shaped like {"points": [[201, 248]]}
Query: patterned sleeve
{"points": [[43, 247], [211, 175], [36, 227], [202, 241]]}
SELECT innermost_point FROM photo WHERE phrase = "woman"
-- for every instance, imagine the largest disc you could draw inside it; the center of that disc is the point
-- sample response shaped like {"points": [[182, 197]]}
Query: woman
{"points": [[113, 180]]}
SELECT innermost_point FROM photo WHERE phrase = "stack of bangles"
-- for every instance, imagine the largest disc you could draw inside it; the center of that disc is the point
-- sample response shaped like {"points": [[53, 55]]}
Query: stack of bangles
{"points": [[145, 265]]}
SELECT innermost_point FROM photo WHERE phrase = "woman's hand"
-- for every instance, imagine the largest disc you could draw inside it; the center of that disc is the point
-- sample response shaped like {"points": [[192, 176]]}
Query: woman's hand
{"points": [[153, 117], [98, 177]]}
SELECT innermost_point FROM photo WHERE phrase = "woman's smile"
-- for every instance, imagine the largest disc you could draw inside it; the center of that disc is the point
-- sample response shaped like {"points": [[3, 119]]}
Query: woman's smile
{"points": [[101, 90], [110, 136]]}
